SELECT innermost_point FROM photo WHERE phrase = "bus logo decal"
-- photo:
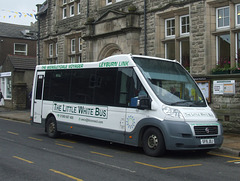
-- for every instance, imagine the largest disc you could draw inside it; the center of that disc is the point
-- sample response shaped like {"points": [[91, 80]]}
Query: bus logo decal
{"points": [[81, 110]]}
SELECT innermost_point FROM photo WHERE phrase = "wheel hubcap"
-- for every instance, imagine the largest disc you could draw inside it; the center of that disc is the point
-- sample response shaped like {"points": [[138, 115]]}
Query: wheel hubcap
{"points": [[152, 141], [51, 127]]}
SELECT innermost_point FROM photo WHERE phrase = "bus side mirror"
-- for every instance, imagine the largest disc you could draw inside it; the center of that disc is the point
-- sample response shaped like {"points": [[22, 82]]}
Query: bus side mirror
{"points": [[144, 103]]}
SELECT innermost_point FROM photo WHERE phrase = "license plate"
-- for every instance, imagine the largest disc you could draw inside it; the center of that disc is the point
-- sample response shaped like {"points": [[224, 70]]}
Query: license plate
{"points": [[207, 141]]}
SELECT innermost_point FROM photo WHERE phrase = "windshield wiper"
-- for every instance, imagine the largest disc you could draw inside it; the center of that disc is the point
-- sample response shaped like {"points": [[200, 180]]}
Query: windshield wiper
{"points": [[189, 103], [182, 102]]}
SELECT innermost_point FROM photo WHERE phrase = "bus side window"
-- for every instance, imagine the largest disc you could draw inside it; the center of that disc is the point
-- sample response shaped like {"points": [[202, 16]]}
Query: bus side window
{"points": [[39, 87], [123, 79], [105, 86], [130, 88]]}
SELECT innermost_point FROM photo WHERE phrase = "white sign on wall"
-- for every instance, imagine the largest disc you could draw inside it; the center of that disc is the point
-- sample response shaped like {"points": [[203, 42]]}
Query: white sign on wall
{"points": [[224, 87]]}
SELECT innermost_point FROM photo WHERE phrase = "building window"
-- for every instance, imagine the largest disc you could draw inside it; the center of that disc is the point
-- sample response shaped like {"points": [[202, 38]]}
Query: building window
{"points": [[184, 25], [80, 58], [73, 46], [52, 53], [6, 85], [72, 59], [56, 49], [223, 19], [51, 50], [108, 2], [185, 53], [79, 8], [64, 1], [223, 50], [177, 47], [64, 10], [237, 16], [170, 50], [170, 27], [80, 44], [237, 56], [20, 49], [72, 10]]}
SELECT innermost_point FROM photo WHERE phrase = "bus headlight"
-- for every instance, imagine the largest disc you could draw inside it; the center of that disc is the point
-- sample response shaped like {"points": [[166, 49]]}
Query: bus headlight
{"points": [[172, 113]]}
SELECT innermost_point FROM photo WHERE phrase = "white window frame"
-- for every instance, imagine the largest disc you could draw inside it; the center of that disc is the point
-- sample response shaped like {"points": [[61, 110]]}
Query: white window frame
{"points": [[50, 50], [64, 11], [80, 44], [73, 46], [166, 51], [64, 2], [79, 8], [6, 85], [71, 10], [181, 17], [224, 26], [72, 59], [108, 3], [237, 15], [172, 35], [19, 51], [118, 0], [236, 50], [56, 48]]}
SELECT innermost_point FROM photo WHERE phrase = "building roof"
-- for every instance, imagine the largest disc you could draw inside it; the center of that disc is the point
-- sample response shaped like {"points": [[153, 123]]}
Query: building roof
{"points": [[22, 62], [18, 31]]}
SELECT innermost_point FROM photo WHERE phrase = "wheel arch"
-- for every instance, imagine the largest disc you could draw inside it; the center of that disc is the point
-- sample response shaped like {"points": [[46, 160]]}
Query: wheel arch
{"points": [[48, 116], [147, 123]]}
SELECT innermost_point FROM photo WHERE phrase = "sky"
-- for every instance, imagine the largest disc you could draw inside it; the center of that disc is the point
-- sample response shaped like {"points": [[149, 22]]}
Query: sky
{"points": [[19, 11]]}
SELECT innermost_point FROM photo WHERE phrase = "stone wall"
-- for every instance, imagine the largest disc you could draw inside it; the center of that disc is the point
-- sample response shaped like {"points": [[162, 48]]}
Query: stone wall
{"points": [[19, 96], [227, 107], [197, 38]]}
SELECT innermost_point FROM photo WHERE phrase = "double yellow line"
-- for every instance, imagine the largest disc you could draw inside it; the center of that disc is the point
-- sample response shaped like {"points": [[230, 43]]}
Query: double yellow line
{"points": [[167, 168]]}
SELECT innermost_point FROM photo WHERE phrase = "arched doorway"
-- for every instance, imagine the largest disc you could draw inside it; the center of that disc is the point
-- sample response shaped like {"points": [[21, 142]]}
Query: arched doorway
{"points": [[108, 50]]}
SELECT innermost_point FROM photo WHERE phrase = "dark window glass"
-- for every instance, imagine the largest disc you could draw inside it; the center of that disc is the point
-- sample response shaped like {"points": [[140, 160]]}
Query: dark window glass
{"points": [[130, 88], [57, 85], [39, 87], [104, 83], [112, 86], [82, 87]]}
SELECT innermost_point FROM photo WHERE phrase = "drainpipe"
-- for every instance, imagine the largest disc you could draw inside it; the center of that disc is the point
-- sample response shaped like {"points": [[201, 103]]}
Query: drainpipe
{"points": [[145, 27], [38, 51], [38, 34], [87, 8]]}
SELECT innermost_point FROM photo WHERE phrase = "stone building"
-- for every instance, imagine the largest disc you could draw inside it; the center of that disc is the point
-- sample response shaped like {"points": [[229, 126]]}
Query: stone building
{"points": [[203, 35]]}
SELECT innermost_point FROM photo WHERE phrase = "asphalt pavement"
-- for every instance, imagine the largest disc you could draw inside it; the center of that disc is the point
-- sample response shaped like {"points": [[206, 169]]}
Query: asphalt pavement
{"points": [[231, 143]]}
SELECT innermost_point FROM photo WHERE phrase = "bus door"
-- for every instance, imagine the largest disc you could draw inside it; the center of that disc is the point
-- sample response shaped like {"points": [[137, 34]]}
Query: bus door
{"points": [[38, 97]]}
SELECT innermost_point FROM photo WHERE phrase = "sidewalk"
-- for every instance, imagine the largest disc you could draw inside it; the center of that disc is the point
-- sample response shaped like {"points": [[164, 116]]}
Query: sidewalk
{"points": [[231, 143]]}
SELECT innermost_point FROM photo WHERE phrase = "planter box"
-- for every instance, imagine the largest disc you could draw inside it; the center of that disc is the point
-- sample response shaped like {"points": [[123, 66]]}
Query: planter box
{"points": [[235, 72], [221, 72]]}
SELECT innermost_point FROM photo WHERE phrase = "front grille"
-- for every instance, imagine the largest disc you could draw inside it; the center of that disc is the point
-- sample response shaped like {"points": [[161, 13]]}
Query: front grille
{"points": [[205, 130]]}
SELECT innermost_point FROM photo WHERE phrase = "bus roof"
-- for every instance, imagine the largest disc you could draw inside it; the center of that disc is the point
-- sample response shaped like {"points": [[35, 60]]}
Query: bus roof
{"points": [[122, 60]]}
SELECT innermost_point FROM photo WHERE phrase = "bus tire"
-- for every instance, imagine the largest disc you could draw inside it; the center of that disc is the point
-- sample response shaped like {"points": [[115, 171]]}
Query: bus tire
{"points": [[52, 128], [153, 142]]}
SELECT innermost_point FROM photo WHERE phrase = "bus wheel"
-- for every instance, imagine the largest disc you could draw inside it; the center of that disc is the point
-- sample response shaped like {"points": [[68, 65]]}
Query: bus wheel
{"points": [[153, 142], [52, 128]]}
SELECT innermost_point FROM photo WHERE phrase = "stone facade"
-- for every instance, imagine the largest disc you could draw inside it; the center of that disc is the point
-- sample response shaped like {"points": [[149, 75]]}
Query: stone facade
{"points": [[98, 30]]}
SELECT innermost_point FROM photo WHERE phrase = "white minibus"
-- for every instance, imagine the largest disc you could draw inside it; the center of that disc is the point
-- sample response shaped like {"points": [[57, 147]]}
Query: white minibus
{"points": [[143, 101]]}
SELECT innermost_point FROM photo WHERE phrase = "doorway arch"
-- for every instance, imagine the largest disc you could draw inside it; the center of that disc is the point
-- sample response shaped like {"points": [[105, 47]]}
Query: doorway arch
{"points": [[108, 50]]}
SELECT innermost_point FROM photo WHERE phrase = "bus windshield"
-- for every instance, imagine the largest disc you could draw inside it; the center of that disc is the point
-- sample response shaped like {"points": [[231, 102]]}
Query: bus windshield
{"points": [[170, 82]]}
